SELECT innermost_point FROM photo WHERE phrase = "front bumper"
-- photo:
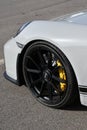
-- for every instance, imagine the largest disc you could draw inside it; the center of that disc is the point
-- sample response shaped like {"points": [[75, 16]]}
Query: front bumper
{"points": [[11, 52], [12, 80]]}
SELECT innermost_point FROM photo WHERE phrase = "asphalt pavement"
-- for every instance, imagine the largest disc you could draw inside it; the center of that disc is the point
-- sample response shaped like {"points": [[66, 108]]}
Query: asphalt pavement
{"points": [[19, 110]]}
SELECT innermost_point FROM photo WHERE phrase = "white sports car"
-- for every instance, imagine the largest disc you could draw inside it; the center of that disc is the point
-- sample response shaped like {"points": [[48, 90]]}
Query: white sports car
{"points": [[50, 58]]}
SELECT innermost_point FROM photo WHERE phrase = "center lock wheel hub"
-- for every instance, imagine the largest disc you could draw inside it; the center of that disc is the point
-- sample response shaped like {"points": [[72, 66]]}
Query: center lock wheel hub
{"points": [[47, 75]]}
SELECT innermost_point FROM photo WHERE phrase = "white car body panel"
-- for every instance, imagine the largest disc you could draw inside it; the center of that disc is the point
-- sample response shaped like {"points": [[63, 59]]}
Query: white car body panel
{"points": [[68, 33], [11, 52], [72, 43]]}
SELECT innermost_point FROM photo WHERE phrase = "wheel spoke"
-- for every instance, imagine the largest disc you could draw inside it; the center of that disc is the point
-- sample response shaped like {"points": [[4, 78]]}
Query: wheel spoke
{"points": [[33, 62], [51, 84], [37, 81], [50, 88], [45, 58], [58, 79], [33, 71], [31, 80], [57, 90], [56, 68], [49, 59], [42, 88], [40, 57]]}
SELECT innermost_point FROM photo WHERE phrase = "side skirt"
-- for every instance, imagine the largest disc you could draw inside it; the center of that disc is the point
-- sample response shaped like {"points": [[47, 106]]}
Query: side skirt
{"points": [[83, 94]]}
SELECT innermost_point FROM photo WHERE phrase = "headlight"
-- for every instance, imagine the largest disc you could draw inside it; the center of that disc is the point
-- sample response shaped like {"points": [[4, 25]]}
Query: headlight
{"points": [[22, 28]]}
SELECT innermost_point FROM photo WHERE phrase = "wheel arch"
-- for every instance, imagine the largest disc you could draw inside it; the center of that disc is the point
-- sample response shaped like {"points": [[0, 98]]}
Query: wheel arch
{"points": [[20, 61]]}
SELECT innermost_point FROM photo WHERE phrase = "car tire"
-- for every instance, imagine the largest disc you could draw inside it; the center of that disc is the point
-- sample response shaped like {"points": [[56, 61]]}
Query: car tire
{"points": [[49, 75]]}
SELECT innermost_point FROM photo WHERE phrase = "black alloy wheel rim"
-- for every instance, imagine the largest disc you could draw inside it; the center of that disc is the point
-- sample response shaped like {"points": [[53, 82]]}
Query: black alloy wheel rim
{"points": [[42, 75]]}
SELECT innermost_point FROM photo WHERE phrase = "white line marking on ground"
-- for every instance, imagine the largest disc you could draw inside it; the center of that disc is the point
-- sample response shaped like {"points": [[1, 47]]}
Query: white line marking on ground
{"points": [[1, 61]]}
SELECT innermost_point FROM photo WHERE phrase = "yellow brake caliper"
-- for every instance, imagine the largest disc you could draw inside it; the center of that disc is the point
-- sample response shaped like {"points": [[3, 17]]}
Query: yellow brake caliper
{"points": [[62, 75]]}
